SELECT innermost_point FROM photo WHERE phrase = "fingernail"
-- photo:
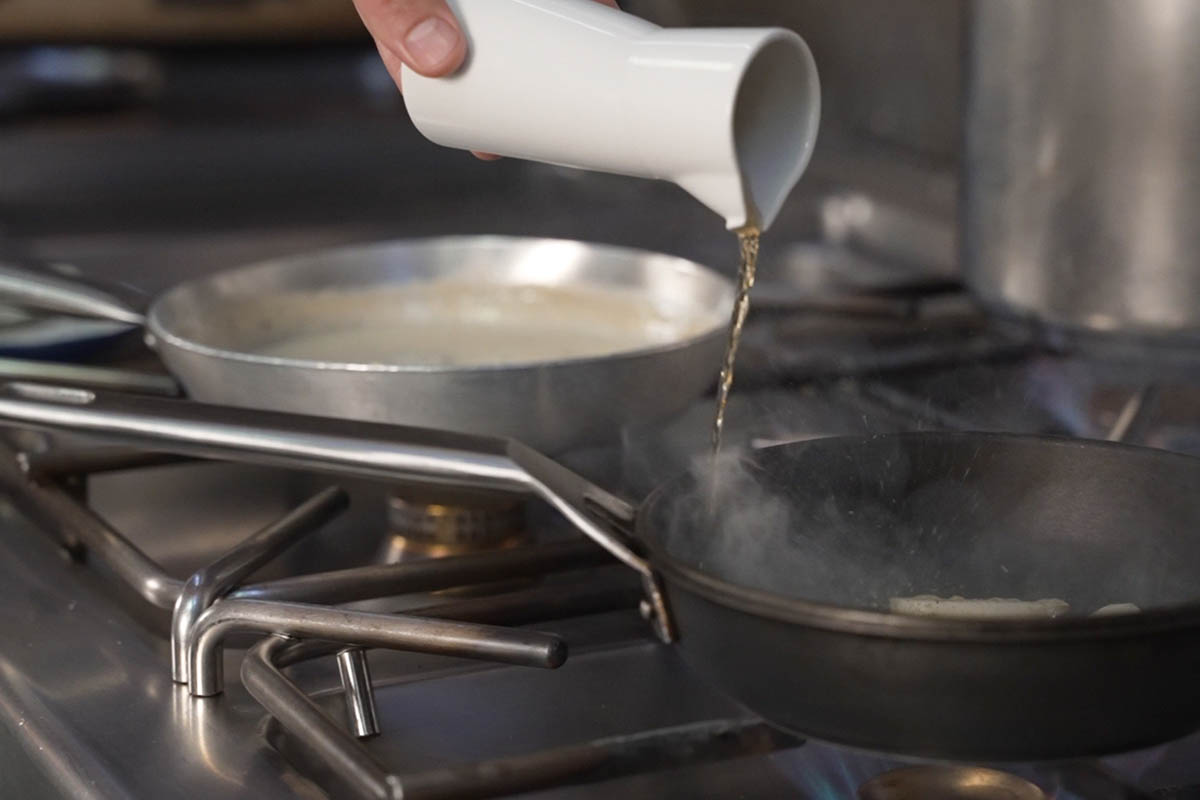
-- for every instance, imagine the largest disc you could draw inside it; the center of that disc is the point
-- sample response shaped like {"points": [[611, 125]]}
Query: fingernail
{"points": [[430, 43]]}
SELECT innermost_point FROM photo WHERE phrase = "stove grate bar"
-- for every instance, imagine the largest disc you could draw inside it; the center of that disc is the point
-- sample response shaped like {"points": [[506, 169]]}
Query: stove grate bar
{"points": [[32, 481], [82, 461], [218, 579], [598, 760], [81, 531], [389, 580], [346, 763]]}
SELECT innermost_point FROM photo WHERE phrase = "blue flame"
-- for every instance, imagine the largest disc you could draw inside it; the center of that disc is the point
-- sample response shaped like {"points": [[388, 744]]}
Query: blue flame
{"points": [[826, 772]]}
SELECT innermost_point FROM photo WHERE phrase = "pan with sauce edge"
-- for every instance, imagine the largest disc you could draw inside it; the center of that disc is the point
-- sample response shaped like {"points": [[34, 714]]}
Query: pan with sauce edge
{"points": [[554, 342]]}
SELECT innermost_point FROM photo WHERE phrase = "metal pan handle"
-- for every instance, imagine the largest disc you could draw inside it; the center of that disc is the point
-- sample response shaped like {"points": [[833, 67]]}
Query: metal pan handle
{"points": [[602, 517], [340, 447], [44, 287]]}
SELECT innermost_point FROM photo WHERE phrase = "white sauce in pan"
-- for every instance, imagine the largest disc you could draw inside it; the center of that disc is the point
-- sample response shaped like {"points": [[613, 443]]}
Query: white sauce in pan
{"points": [[448, 323]]}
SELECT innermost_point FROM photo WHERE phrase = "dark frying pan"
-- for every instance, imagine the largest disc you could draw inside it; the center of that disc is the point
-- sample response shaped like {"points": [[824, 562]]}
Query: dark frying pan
{"points": [[781, 598], [783, 603]]}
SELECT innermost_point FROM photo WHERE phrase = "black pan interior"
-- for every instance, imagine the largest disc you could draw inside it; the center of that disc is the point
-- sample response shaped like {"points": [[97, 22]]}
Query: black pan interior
{"points": [[855, 521]]}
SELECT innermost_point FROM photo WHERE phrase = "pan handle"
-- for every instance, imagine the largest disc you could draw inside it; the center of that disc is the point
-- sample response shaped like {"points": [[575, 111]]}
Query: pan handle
{"points": [[47, 287], [603, 517], [342, 447]]}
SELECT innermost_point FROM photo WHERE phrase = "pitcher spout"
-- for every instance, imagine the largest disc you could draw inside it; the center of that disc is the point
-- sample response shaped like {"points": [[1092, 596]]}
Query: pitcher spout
{"points": [[776, 116], [742, 155]]}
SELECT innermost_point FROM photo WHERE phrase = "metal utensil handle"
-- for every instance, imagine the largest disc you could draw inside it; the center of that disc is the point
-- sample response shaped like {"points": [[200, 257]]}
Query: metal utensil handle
{"points": [[29, 285], [341, 447]]}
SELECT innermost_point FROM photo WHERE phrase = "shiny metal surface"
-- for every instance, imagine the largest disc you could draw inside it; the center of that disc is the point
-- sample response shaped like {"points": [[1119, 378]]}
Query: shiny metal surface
{"points": [[379, 580], [1082, 187], [740, 613], [94, 377], [311, 732], [66, 463], [30, 286], [341, 447], [221, 577], [946, 782], [452, 525], [74, 525], [441, 637], [88, 710], [729, 628], [335, 446], [355, 673], [598, 761], [537, 605], [96, 688], [206, 332], [429, 723], [297, 711], [84, 533]]}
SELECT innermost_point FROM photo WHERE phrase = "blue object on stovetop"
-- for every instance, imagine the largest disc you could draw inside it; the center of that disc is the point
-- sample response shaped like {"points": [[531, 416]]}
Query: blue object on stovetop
{"points": [[60, 338]]}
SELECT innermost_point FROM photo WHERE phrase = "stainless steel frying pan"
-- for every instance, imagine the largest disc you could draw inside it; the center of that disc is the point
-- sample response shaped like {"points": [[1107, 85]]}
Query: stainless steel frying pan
{"points": [[781, 596], [209, 332]]}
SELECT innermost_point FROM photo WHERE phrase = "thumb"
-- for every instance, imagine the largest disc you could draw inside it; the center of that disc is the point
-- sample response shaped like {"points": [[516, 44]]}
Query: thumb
{"points": [[421, 33]]}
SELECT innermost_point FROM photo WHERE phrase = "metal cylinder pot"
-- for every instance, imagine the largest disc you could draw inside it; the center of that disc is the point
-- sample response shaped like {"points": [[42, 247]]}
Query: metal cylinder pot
{"points": [[1082, 181]]}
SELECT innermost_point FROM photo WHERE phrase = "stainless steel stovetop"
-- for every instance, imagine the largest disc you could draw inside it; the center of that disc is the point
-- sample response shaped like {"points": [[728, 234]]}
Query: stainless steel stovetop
{"points": [[88, 708]]}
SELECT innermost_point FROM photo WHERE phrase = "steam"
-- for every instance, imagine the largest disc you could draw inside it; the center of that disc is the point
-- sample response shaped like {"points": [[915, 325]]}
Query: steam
{"points": [[858, 522], [754, 533]]}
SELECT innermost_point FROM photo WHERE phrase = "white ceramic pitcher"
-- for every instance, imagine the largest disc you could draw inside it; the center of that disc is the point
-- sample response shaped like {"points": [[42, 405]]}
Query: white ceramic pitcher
{"points": [[729, 114]]}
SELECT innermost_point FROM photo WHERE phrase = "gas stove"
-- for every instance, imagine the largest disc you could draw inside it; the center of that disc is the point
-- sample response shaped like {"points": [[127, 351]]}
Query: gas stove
{"points": [[175, 627]]}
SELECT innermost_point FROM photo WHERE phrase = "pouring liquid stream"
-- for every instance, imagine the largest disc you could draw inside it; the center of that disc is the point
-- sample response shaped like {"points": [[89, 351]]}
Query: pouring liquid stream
{"points": [[748, 240]]}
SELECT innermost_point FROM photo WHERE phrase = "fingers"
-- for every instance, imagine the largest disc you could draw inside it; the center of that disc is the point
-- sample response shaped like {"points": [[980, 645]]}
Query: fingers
{"points": [[420, 33]]}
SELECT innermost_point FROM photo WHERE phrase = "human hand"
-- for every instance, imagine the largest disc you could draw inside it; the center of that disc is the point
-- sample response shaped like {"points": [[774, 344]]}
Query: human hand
{"points": [[420, 33]]}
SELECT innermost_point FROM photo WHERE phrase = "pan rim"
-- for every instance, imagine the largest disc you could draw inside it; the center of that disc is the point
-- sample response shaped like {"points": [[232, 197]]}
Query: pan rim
{"points": [[694, 269], [867, 622]]}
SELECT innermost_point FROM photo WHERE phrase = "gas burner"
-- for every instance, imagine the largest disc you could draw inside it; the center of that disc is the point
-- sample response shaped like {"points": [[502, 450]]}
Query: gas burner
{"points": [[426, 528], [945, 782]]}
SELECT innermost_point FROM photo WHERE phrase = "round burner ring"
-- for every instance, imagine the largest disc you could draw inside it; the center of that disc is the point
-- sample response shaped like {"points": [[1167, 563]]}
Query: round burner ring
{"points": [[935, 782], [434, 527], [475, 525]]}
